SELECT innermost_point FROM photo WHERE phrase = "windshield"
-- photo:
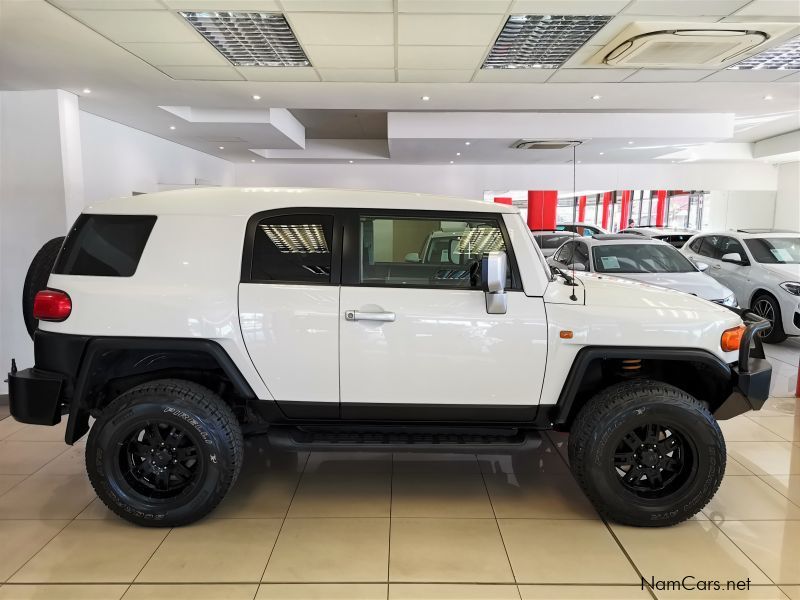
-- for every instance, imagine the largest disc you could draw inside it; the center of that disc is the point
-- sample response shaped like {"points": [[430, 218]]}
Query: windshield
{"points": [[640, 258], [781, 251], [552, 241]]}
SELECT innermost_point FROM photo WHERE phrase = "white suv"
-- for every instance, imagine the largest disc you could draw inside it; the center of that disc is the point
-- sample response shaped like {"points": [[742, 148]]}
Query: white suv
{"points": [[762, 267], [182, 320]]}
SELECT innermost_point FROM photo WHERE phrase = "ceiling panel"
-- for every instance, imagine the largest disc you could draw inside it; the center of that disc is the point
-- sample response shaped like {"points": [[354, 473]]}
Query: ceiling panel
{"points": [[108, 4], [435, 75], [746, 75], [351, 57], [343, 29], [513, 75], [771, 8], [453, 6], [590, 75], [195, 54], [440, 57], [448, 30], [568, 7], [342, 124], [794, 76], [617, 24], [138, 25], [365, 75], [278, 73], [338, 5], [203, 73], [667, 75], [719, 8], [237, 5]]}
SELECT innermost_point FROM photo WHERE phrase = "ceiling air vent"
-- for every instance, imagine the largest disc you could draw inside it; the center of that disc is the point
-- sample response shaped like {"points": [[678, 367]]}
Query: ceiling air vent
{"points": [[785, 56], [544, 144], [541, 41], [250, 39]]}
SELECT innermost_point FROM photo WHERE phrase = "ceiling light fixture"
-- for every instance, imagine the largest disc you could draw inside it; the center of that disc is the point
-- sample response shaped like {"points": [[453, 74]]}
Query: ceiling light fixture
{"points": [[467, 143], [596, 97], [458, 153], [350, 161], [222, 147], [425, 98], [630, 142], [252, 160], [250, 39], [256, 97], [786, 56], [172, 127], [768, 97], [601, 154], [452, 161], [541, 41], [87, 91]]}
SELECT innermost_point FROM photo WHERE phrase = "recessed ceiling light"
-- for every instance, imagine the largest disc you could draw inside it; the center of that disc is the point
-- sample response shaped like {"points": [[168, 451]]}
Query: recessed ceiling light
{"points": [[768, 97], [350, 161], [467, 143], [630, 142], [425, 98], [596, 97], [250, 39], [785, 56], [256, 97], [172, 127], [601, 154], [458, 153], [452, 161], [580, 161], [541, 41], [222, 147], [87, 91]]}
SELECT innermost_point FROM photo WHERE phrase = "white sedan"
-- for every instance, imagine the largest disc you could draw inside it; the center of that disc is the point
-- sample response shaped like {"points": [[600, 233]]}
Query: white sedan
{"points": [[646, 260]]}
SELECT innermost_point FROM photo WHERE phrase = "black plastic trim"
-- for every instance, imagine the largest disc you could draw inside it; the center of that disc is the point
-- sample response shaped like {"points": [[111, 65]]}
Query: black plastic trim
{"points": [[35, 396]]}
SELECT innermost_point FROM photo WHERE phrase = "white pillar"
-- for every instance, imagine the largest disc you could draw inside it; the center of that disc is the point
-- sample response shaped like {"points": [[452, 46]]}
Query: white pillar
{"points": [[41, 193], [787, 202]]}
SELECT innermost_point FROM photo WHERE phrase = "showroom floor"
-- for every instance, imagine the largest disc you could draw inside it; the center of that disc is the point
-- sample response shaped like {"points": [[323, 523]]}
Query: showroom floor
{"points": [[405, 526]]}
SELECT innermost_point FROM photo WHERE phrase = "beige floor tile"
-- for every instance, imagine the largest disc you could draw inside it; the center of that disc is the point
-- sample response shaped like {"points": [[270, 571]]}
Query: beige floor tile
{"points": [[321, 462], [21, 540], [431, 494], [784, 380], [538, 497], [448, 550], [71, 462], [93, 552], [777, 407], [9, 426], [9, 481], [742, 429], [321, 591], [734, 468], [545, 459], [583, 592], [452, 591], [40, 433], [47, 497], [216, 550], [331, 550], [207, 591], [767, 458], [787, 427], [749, 498], [62, 592], [258, 496], [788, 485], [581, 551], [422, 462], [669, 553], [24, 458], [792, 591], [97, 510], [754, 592], [773, 545], [348, 488]]}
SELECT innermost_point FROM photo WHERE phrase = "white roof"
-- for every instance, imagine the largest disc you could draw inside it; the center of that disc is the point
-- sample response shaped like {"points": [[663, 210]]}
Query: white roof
{"points": [[627, 240], [662, 230], [245, 201], [755, 233]]}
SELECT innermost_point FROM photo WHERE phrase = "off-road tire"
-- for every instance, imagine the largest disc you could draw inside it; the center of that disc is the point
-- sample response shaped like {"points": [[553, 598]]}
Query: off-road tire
{"points": [[36, 279], [205, 420], [776, 333], [598, 432]]}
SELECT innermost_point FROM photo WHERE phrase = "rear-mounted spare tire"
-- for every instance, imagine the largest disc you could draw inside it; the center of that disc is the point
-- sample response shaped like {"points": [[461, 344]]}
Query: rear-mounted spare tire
{"points": [[36, 279]]}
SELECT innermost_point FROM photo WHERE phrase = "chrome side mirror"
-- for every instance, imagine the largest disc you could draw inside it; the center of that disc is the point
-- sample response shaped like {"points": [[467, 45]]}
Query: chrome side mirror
{"points": [[494, 270]]}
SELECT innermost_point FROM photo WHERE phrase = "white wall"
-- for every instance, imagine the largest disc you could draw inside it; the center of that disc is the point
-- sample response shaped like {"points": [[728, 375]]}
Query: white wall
{"points": [[787, 202], [119, 160], [741, 209]]}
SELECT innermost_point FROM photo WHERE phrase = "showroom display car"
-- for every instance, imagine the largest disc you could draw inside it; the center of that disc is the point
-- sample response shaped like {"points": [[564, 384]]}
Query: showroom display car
{"points": [[762, 267], [183, 320], [672, 235], [646, 260]]}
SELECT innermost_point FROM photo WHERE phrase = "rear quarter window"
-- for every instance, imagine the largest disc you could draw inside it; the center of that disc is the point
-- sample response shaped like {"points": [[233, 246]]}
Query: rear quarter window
{"points": [[104, 245]]}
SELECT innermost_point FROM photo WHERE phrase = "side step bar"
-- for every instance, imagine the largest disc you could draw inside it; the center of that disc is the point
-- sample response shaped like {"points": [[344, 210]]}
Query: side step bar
{"points": [[402, 441]]}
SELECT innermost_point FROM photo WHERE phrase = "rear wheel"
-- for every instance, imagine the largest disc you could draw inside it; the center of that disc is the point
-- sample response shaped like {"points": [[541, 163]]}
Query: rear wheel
{"points": [[36, 279], [647, 453], [767, 307], [164, 453]]}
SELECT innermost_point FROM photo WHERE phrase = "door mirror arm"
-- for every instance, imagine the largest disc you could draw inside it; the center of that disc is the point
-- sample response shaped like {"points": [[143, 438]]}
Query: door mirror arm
{"points": [[494, 270]]}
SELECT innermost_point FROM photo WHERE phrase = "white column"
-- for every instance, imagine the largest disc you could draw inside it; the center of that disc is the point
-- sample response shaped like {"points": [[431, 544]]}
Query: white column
{"points": [[41, 193], [787, 201]]}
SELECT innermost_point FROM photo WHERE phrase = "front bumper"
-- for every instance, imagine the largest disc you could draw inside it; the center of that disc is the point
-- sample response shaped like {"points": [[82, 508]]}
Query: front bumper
{"points": [[35, 396], [751, 374]]}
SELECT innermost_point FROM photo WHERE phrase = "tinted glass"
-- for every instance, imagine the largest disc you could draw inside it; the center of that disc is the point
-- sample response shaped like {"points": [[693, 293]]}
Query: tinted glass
{"points": [[709, 246], [551, 241], [677, 240], [728, 245], [640, 258], [293, 249], [104, 245], [426, 252], [695, 245], [783, 251], [581, 255], [564, 254]]}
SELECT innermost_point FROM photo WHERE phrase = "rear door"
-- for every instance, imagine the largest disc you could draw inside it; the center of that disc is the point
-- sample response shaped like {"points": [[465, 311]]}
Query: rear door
{"points": [[289, 307]]}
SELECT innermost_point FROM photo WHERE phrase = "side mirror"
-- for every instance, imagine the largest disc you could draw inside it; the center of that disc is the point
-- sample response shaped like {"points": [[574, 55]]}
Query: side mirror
{"points": [[701, 266], [412, 257], [494, 270], [577, 267], [732, 257]]}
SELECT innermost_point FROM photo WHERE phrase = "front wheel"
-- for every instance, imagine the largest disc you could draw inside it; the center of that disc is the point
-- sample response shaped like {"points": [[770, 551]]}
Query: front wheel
{"points": [[767, 307], [647, 453], [164, 453]]}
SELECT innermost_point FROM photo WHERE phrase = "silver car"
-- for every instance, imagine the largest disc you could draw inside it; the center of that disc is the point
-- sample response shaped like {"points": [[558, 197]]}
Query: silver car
{"points": [[672, 235]]}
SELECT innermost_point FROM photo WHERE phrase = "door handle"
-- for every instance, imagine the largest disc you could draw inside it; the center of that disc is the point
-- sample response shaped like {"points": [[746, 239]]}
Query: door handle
{"points": [[358, 315], [715, 266]]}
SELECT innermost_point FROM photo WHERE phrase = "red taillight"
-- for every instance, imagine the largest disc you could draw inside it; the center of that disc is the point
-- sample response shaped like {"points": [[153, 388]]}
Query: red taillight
{"points": [[52, 305]]}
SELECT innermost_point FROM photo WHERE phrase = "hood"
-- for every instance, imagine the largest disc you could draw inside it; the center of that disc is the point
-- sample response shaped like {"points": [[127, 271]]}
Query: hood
{"points": [[698, 284], [785, 272]]}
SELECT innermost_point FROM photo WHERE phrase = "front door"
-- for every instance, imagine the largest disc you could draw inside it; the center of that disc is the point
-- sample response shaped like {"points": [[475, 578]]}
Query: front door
{"points": [[416, 342]]}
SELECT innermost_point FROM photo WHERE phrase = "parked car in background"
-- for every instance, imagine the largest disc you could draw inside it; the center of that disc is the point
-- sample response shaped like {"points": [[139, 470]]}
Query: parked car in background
{"points": [[650, 261], [762, 267], [674, 236], [549, 241], [582, 229]]}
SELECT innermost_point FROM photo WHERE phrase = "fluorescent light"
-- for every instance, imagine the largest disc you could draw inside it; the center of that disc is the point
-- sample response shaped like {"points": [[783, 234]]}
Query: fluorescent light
{"points": [[297, 239], [425, 98], [256, 97], [784, 56], [250, 39], [87, 91], [479, 240], [541, 41], [596, 97]]}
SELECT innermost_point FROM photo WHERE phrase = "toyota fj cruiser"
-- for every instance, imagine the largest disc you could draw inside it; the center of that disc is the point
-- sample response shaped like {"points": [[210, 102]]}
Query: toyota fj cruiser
{"points": [[181, 320]]}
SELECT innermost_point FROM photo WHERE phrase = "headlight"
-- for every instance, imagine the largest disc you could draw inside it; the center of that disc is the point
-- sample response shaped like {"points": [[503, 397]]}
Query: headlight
{"points": [[793, 287], [729, 301]]}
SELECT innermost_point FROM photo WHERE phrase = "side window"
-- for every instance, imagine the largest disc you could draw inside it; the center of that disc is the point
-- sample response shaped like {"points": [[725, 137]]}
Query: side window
{"points": [[708, 247], [564, 255], [426, 252], [730, 245], [581, 255], [293, 249], [695, 245]]}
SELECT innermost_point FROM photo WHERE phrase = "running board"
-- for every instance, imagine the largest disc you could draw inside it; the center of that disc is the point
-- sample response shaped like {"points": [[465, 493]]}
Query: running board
{"points": [[402, 441]]}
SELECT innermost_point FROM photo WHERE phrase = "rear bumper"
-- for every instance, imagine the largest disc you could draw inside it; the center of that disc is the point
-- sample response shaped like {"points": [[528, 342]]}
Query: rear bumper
{"points": [[751, 375], [35, 396]]}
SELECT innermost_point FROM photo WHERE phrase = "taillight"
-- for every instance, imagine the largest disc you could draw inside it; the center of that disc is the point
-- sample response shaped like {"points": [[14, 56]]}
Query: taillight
{"points": [[731, 338], [52, 305]]}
